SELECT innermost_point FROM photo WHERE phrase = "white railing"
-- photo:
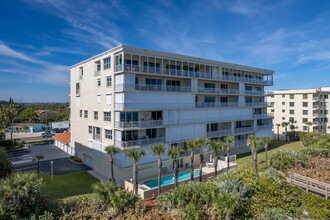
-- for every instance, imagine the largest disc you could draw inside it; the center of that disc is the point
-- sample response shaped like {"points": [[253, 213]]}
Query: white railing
{"points": [[154, 88], [81, 77], [316, 98], [264, 127], [264, 115], [244, 130], [316, 114], [152, 106], [140, 142], [97, 73], [77, 92], [218, 133], [256, 104], [218, 91], [317, 122], [139, 124], [216, 104], [119, 67], [239, 143], [253, 92]]}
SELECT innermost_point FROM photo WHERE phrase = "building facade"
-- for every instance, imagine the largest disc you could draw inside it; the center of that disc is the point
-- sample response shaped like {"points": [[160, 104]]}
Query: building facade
{"points": [[300, 106], [133, 98]]}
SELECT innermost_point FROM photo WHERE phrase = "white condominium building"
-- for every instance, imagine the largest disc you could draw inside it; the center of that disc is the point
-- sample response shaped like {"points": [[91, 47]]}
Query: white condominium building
{"points": [[309, 105], [133, 98]]}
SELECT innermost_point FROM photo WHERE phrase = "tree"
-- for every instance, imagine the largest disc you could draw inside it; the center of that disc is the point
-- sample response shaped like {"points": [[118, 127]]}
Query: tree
{"points": [[38, 158], [308, 123], [254, 143], [135, 156], [28, 115], [217, 147], [201, 142], [192, 146], [285, 125], [278, 131], [158, 150], [266, 140], [111, 151], [25, 128], [63, 116], [293, 131], [4, 119], [12, 112], [49, 116], [175, 153], [6, 167], [225, 204], [229, 140]]}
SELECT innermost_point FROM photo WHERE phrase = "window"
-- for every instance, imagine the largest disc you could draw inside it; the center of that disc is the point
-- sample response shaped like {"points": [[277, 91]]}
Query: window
{"points": [[224, 86], [98, 82], [291, 104], [99, 99], [248, 99], [283, 96], [291, 119], [86, 113], [272, 110], [325, 119], [291, 96], [305, 104], [97, 133], [305, 128], [248, 88], [283, 118], [107, 116], [326, 112], [257, 89], [283, 110], [80, 113], [305, 112], [81, 72], [106, 63], [272, 103], [283, 103], [326, 96], [96, 115], [291, 112], [108, 81], [223, 99], [108, 134], [209, 99], [305, 96], [108, 98], [210, 85], [90, 129], [326, 104], [304, 120]]}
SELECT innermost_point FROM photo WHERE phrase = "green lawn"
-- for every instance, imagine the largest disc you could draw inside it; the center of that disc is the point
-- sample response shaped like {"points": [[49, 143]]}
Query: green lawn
{"points": [[244, 160], [69, 185]]}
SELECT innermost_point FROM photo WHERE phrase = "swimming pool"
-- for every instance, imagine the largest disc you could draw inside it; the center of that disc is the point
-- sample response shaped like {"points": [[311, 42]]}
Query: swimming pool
{"points": [[169, 179]]}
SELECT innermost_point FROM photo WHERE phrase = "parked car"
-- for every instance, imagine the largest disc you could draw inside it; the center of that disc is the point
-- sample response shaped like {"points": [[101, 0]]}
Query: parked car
{"points": [[48, 134]]}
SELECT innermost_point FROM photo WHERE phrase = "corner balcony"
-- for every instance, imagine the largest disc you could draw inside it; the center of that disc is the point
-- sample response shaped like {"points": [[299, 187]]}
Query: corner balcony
{"points": [[256, 104], [139, 143], [242, 130], [97, 73], [218, 133], [139, 124], [265, 127], [253, 92], [218, 91], [264, 115], [152, 88]]}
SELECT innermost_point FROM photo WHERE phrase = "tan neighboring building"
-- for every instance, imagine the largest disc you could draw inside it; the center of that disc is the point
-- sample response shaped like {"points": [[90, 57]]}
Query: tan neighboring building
{"points": [[310, 105], [133, 98]]}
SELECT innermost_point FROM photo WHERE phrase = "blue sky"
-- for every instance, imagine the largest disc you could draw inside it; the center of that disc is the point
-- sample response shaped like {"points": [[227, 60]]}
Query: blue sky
{"points": [[39, 39]]}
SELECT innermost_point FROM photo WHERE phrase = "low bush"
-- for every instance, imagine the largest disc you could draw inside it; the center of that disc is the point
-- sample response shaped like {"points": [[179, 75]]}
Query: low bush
{"points": [[10, 145], [273, 214], [315, 152], [76, 159], [317, 207], [283, 160], [6, 167]]}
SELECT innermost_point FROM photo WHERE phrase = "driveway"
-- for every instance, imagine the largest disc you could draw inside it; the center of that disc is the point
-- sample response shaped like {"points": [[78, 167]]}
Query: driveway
{"points": [[22, 160]]}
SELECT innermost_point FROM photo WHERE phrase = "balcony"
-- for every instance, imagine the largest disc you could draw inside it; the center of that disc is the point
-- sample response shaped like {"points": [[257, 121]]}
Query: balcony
{"points": [[244, 130], [139, 143], [152, 106], [265, 127], [256, 104], [253, 92], [218, 91], [97, 73], [188, 73], [317, 122], [317, 106], [216, 104], [264, 115], [152, 88], [316, 115], [316, 98], [218, 133], [139, 124], [77, 92], [239, 143], [81, 77]]}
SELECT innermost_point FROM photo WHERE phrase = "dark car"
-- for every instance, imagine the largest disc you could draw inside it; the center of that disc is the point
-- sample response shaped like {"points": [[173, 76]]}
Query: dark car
{"points": [[47, 135]]}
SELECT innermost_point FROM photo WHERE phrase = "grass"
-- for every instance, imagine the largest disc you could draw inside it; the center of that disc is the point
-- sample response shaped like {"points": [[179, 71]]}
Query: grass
{"points": [[245, 160], [69, 185]]}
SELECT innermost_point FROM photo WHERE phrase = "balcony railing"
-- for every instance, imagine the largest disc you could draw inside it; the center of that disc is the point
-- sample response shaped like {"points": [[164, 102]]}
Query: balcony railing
{"points": [[139, 124], [264, 127], [239, 143], [244, 130], [140, 142], [218, 91], [316, 115], [153, 88], [316, 98], [317, 122], [188, 73], [264, 115], [253, 92], [97, 73], [216, 104], [256, 104], [77, 92], [81, 77], [317, 106], [218, 133], [152, 106]]}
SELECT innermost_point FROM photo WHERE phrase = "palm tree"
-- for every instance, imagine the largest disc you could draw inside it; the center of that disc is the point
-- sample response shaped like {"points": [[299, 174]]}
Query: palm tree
{"points": [[278, 131], [230, 203], [4, 120], [254, 143], [158, 150], [308, 123], [12, 113], [266, 140], [38, 158], [192, 145], [201, 142], [111, 151], [285, 125], [135, 156], [175, 153], [293, 127], [229, 140], [217, 148]]}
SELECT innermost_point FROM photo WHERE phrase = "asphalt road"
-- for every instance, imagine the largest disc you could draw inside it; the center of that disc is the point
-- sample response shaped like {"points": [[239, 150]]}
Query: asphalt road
{"points": [[22, 160]]}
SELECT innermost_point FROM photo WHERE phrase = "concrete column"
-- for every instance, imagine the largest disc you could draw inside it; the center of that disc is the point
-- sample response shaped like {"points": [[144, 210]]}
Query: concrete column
{"points": [[232, 128]]}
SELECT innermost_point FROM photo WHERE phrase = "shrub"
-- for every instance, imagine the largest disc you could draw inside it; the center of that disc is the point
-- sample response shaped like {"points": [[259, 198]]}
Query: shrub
{"points": [[20, 195], [232, 186], [317, 207], [45, 216], [287, 159], [9, 145], [6, 167], [194, 212], [273, 214], [315, 152], [76, 159]]}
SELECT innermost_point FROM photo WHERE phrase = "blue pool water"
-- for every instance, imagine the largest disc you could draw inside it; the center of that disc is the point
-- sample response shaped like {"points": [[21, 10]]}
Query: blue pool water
{"points": [[169, 179]]}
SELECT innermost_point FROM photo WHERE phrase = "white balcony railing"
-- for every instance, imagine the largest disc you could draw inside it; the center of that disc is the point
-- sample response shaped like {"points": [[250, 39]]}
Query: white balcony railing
{"points": [[139, 124], [139, 143], [253, 92], [316, 98], [316, 115], [241, 142], [97, 72], [152, 106], [244, 130], [264, 127], [218, 133], [153, 88], [219, 91], [77, 92], [256, 104], [81, 77], [264, 115]]}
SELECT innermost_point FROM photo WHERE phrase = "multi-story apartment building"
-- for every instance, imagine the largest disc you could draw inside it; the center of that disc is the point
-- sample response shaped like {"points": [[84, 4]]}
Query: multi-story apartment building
{"points": [[310, 105], [133, 98]]}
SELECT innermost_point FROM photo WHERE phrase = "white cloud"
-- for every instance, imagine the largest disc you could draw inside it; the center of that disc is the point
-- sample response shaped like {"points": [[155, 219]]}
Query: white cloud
{"points": [[6, 51]]}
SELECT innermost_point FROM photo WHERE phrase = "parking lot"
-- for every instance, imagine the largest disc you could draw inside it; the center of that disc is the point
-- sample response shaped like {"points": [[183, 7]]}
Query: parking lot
{"points": [[22, 160]]}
